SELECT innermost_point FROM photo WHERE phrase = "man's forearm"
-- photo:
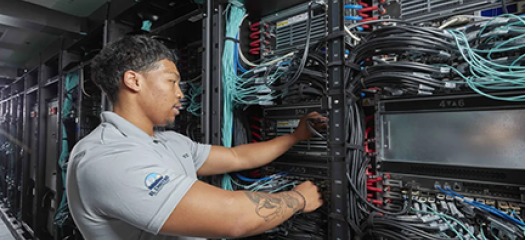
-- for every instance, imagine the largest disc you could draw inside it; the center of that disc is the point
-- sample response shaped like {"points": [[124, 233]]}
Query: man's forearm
{"points": [[258, 154], [270, 210]]}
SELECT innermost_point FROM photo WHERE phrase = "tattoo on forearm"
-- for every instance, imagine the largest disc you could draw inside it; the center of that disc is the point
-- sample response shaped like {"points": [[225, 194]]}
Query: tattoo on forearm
{"points": [[269, 207]]}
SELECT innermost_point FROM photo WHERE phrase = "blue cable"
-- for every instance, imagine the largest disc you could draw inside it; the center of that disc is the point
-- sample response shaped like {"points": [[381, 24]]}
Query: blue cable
{"points": [[353, 18], [446, 192], [259, 180], [237, 63], [353, 7], [485, 207]]}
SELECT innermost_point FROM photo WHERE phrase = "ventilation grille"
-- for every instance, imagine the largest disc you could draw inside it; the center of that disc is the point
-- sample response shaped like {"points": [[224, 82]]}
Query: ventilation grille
{"points": [[415, 9], [293, 36], [458, 173]]}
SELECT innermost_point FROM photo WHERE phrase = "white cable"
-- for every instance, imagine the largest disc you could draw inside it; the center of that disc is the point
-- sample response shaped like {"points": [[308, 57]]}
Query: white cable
{"points": [[448, 23], [460, 19], [82, 82], [246, 61], [351, 34]]}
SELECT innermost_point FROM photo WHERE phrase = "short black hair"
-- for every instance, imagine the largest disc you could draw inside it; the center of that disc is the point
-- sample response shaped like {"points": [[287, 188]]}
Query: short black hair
{"points": [[138, 53]]}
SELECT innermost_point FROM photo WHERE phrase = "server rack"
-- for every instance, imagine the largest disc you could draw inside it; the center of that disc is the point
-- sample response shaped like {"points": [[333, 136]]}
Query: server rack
{"points": [[334, 105]]}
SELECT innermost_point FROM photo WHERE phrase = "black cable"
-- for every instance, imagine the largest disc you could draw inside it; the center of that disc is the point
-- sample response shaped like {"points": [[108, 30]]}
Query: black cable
{"points": [[400, 77], [385, 234], [409, 228], [353, 187], [436, 33], [504, 6], [404, 67], [312, 129], [304, 58], [354, 25], [412, 40], [381, 221]]}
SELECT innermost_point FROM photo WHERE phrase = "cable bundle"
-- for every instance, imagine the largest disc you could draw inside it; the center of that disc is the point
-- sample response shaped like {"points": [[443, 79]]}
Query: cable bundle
{"points": [[485, 57], [403, 60], [478, 49], [413, 49], [250, 87], [233, 20], [259, 85], [194, 93], [71, 82], [447, 220]]}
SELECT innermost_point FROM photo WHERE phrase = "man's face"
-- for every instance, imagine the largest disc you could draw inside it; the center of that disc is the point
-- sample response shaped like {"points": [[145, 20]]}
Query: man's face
{"points": [[161, 96]]}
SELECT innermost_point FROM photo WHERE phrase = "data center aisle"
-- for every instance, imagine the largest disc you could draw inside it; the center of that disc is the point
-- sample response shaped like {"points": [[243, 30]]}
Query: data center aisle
{"points": [[5, 234]]}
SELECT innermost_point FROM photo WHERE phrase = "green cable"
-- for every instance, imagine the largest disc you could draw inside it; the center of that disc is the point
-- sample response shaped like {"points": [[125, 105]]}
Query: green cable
{"points": [[443, 218], [450, 218], [482, 233], [71, 81], [492, 233], [193, 93], [146, 25], [233, 19], [283, 187], [234, 15], [486, 74]]}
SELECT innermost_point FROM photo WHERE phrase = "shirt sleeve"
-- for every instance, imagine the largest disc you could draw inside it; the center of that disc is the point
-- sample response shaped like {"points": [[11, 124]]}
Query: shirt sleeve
{"points": [[199, 151], [137, 188]]}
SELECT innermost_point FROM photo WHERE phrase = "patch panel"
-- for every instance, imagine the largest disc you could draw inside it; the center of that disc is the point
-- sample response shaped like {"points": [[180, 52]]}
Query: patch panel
{"points": [[297, 169], [427, 184], [284, 32]]}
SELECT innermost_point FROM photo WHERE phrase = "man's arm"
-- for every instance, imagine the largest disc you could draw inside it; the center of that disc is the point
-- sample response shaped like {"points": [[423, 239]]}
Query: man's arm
{"points": [[210, 212], [248, 156]]}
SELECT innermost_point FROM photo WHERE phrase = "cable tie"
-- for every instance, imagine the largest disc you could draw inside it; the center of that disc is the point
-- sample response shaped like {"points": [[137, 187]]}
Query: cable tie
{"points": [[232, 39], [450, 85], [355, 147], [334, 35]]}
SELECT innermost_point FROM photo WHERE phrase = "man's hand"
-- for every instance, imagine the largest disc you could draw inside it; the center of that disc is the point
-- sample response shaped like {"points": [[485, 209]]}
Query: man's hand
{"points": [[249, 156], [311, 194], [302, 133]]}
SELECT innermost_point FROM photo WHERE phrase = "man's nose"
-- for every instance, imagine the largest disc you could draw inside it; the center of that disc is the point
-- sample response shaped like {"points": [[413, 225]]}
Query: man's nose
{"points": [[180, 95]]}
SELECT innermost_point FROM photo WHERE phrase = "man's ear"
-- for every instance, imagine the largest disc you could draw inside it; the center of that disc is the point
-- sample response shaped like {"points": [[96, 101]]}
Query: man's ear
{"points": [[133, 80]]}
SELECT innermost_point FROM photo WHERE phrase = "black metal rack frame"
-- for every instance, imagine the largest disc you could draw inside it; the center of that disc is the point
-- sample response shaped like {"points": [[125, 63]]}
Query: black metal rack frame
{"points": [[336, 100]]}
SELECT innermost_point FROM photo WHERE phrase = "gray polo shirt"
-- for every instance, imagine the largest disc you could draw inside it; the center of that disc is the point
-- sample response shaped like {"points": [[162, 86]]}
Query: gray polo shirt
{"points": [[124, 184]]}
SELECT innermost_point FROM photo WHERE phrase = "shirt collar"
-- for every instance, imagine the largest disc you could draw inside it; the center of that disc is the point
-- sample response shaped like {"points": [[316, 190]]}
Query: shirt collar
{"points": [[125, 127]]}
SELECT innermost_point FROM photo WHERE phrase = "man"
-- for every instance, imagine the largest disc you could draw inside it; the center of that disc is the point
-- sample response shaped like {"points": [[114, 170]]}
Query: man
{"points": [[125, 181]]}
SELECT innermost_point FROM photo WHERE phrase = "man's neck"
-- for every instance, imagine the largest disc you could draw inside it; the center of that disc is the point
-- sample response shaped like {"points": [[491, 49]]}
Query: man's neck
{"points": [[136, 118]]}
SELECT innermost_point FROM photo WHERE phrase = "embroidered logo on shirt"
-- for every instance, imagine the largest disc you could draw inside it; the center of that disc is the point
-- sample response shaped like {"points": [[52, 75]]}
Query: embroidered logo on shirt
{"points": [[154, 182], [185, 155]]}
